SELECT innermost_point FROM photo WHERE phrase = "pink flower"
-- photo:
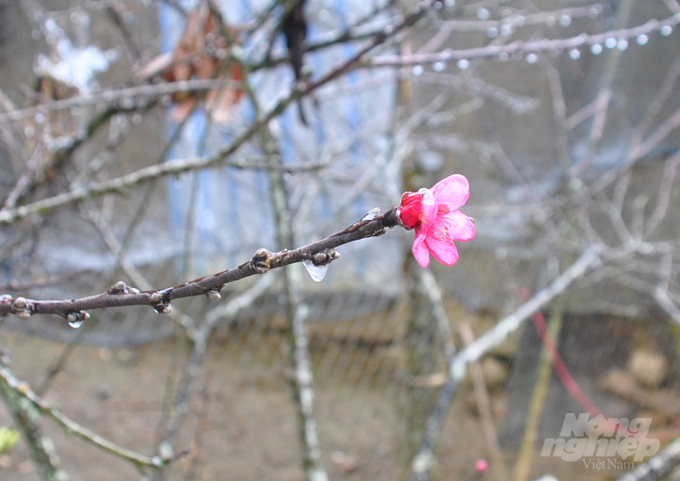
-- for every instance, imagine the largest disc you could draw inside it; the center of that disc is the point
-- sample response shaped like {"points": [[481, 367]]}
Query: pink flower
{"points": [[434, 215]]}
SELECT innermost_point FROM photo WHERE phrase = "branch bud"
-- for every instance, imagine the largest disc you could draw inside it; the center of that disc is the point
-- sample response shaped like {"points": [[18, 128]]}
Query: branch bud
{"points": [[260, 261], [213, 295], [21, 308]]}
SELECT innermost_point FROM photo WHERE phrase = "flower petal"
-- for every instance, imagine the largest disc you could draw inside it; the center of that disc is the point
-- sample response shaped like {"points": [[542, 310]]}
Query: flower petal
{"points": [[410, 208], [444, 251], [429, 209], [420, 250], [453, 226], [451, 192]]}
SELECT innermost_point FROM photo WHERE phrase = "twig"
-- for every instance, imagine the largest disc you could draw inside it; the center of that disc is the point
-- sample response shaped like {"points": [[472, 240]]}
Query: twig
{"points": [[40, 446], [540, 391], [535, 46], [657, 466], [119, 295], [23, 390]]}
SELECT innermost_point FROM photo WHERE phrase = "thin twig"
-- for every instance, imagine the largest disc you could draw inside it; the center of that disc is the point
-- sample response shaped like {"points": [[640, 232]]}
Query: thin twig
{"points": [[23, 390]]}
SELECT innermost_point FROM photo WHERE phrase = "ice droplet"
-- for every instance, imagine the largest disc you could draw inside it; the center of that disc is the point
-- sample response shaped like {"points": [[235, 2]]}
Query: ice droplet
{"points": [[596, 49], [610, 42], [565, 20], [418, 70], [439, 66], [666, 30], [76, 324], [317, 273], [574, 54], [532, 58], [642, 39], [483, 13], [463, 63]]}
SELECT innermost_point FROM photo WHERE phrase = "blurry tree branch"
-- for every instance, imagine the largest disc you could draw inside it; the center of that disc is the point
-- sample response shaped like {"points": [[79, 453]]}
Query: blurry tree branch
{"points": [[21, 390]]}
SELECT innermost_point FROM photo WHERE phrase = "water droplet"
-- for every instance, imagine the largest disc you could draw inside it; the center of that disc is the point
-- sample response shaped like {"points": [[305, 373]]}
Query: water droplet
{"points": [[666, 30], [593, 12], [39, 117], [439, 66], [463, 63], [642, 39], [622, 44], [492, 32], [506, 29], [503, 56], [317, 273], [483, 13], [610, 42], [370, 215], [565, 20], [76, 324], [574, 54], [417, 70], [450, 3], [532, 58], [596, 49]]}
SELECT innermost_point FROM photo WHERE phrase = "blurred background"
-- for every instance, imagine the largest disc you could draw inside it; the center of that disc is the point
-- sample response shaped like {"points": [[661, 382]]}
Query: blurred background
{"points": [[155, 142]]}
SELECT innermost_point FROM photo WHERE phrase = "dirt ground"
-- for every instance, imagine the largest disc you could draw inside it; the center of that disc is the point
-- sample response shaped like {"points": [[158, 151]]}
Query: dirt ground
{"points": [[241, 423]]}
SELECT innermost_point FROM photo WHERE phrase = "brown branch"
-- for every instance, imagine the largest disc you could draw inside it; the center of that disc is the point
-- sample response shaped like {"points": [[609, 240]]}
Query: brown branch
{"points": [[119, 295]]}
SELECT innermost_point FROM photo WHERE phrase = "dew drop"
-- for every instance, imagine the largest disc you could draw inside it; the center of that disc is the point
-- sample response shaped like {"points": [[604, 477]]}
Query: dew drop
{"points": [[596, 49], [506, 29], [450, 3], [574, 54], [642, 39], [565, 20], [593, 12], [492, 32], [483, 13], [439, 66], [317, 273], [610, 42], [532, 58], [463, 63], [503, 56], [666, 30], [76, 324], [417, 70], [622, 44]]}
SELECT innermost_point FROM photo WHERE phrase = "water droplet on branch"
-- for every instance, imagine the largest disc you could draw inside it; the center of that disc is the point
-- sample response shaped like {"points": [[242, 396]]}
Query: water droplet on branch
{"points": [[76, 324], [317, 273]]}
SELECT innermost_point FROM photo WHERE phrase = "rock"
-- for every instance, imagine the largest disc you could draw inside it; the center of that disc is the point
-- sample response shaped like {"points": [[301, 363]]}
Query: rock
{"points": [[648, 367], [495, 372]]}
